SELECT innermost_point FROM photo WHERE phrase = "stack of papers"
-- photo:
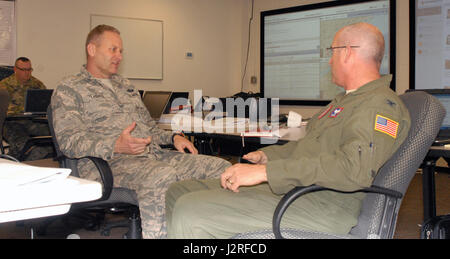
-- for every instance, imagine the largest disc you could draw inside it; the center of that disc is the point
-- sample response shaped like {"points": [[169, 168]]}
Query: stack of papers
{"points": [[277, 133], [13, 174], [260, 133], [188, 123], [225, 123]]}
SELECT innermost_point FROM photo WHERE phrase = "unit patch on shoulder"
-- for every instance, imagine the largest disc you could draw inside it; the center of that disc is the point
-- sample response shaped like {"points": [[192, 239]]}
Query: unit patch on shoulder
{"points": [[336, 112], [386, 125]]}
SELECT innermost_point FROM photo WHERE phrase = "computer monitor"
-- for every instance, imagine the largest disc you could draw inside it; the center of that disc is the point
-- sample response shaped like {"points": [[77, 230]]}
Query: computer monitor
{"points": [[445, 100], [294, 41], [443, 95], [37, 100], [156, 102], [255, 108], [429, 60]]}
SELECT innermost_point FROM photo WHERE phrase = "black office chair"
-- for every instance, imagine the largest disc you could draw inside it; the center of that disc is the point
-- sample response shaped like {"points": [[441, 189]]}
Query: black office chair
{"points": [[34, 141], [380, 207], [4, 103], [6, 71], [114, 199]]}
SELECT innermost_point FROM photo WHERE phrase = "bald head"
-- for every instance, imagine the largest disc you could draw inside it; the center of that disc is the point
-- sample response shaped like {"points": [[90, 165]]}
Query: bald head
{"points": [[368, 37]]}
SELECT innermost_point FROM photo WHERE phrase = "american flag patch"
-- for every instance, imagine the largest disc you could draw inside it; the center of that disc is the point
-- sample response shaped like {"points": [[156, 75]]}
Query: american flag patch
{"points": [[386, 125]]}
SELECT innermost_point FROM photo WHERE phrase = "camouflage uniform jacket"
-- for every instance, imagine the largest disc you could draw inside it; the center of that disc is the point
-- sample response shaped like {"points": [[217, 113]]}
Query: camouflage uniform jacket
{"points": [[89, 116], [17, 92]]}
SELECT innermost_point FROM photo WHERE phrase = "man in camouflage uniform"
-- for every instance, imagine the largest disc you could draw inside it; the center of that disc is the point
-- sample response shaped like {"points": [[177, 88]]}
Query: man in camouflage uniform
{"points": [[17, 132], [98, 113]]}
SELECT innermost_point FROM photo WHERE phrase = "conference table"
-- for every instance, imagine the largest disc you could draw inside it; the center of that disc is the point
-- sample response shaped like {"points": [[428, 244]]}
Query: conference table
{"points": [[30, 191], [248, 135], [46, 199]]}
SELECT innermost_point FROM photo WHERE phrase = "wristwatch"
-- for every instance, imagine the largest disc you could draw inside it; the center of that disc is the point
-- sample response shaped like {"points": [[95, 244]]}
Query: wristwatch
{"points": [[177, 134]]}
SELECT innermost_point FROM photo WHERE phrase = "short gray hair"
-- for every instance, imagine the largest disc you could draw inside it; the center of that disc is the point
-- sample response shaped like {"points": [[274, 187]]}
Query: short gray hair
{"points": [[95, 34]]}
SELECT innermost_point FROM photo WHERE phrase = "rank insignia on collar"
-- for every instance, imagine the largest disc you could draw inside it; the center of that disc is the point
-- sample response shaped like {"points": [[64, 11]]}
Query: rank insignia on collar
{"points": [[336, 112], [391, 103]]}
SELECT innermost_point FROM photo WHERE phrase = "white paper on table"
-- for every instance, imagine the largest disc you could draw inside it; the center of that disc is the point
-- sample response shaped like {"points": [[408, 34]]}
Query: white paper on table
{"points": [[13, 174]]}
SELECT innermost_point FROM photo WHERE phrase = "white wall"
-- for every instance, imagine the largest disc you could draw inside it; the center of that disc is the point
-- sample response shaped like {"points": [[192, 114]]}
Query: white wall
{"points": [[52, 34]]}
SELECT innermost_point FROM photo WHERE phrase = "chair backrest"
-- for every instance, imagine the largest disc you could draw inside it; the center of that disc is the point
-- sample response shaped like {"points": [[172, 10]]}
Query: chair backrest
{"points": [[378, 215], [4, 103], [6, 71], [64, 161]]}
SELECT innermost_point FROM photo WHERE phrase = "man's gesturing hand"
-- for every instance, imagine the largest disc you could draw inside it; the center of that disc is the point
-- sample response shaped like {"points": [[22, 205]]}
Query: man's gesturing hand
{"points": [[126, 144]]}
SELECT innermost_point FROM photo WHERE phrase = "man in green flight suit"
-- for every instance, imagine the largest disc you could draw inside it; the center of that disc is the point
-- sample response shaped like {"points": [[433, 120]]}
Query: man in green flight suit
{"points": [[345, 145], [17, 132]]}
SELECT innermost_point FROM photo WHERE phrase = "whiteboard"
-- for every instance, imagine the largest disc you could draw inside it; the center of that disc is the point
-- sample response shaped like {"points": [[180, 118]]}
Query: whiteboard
{"points": [[7, 33], [142, 43]]}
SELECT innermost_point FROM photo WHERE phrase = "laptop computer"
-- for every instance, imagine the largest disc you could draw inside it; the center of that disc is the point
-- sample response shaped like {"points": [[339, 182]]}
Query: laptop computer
{"points": [[176, 100], [37, 101], [443, 95], [156, 102]]}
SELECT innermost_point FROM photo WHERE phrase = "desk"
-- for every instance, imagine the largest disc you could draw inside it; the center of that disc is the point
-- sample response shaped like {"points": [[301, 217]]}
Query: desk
{"points": [[202, 139], [428, 181], [47, 199]]}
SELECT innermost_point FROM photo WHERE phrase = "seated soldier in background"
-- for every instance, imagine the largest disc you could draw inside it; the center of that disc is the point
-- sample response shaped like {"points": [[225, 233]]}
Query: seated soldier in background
{"points": [[17, 132]]}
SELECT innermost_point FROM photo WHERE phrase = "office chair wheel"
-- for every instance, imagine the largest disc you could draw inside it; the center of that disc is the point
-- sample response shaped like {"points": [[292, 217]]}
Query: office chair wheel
{"points": [[105, 232], [135, 230]]}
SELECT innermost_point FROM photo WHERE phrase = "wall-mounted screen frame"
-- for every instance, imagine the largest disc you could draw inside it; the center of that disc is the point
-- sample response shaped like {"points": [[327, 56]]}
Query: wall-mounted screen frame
{"points": [[294, 64], [429, 44]]}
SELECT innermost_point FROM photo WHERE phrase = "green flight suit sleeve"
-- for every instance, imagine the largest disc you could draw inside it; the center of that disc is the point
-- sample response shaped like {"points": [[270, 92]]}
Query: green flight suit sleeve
{"points": [[361, 152], [276, 152]]}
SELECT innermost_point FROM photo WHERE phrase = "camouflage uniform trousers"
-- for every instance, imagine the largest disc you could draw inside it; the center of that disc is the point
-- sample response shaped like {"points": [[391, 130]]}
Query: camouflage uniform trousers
{"points": [[151, 175], [18, 132]]}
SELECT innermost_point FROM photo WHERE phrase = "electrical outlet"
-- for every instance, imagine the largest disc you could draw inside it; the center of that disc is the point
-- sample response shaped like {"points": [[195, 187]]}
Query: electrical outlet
{"points": [[189, 55]]}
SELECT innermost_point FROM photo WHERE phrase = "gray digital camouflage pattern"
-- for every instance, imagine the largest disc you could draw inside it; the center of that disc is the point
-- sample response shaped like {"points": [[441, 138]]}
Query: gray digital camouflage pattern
{"points": [[89, 116]]}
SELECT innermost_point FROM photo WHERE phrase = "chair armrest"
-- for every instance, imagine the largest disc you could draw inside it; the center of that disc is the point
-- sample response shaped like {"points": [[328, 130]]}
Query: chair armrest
{"points": [[102, 166], [299, 191], [106, 175]]}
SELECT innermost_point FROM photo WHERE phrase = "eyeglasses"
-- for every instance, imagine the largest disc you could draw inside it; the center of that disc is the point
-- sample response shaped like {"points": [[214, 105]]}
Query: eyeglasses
{"points": [[331, 49], [25, 69]]}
